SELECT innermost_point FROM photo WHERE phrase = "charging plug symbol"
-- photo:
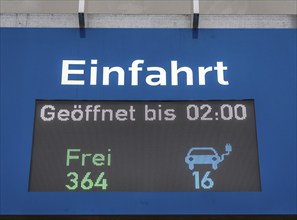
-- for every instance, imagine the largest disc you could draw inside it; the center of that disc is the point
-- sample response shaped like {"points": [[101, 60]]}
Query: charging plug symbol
{"points": [[206, 155]]}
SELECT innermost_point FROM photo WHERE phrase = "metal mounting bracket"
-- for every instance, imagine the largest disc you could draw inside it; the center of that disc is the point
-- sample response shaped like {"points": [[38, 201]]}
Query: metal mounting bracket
{"points": [[195, 13], [81, 13]]}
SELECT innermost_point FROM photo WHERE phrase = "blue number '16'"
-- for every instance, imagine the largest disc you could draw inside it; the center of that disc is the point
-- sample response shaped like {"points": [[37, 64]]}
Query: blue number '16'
{"points": [[206, 182]]}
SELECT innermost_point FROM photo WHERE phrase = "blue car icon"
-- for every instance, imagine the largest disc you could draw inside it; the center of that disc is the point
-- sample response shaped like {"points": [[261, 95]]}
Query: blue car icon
{"points": [[206, 155]]}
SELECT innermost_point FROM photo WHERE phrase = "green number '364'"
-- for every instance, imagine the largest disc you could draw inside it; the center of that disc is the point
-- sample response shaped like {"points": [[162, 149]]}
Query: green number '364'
{"points": [[86, 183]]}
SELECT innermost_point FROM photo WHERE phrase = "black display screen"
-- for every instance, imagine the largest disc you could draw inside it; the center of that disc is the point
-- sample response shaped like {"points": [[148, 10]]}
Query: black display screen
{"points": [[145, 146]]}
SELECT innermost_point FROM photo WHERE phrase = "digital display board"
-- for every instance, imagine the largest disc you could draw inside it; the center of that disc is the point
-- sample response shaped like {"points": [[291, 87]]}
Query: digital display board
{"points": [[145, 146], [148, 121]]}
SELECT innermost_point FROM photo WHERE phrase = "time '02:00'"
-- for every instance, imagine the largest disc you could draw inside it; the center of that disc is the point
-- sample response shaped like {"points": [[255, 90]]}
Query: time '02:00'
{"points": [[226, 112]]}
